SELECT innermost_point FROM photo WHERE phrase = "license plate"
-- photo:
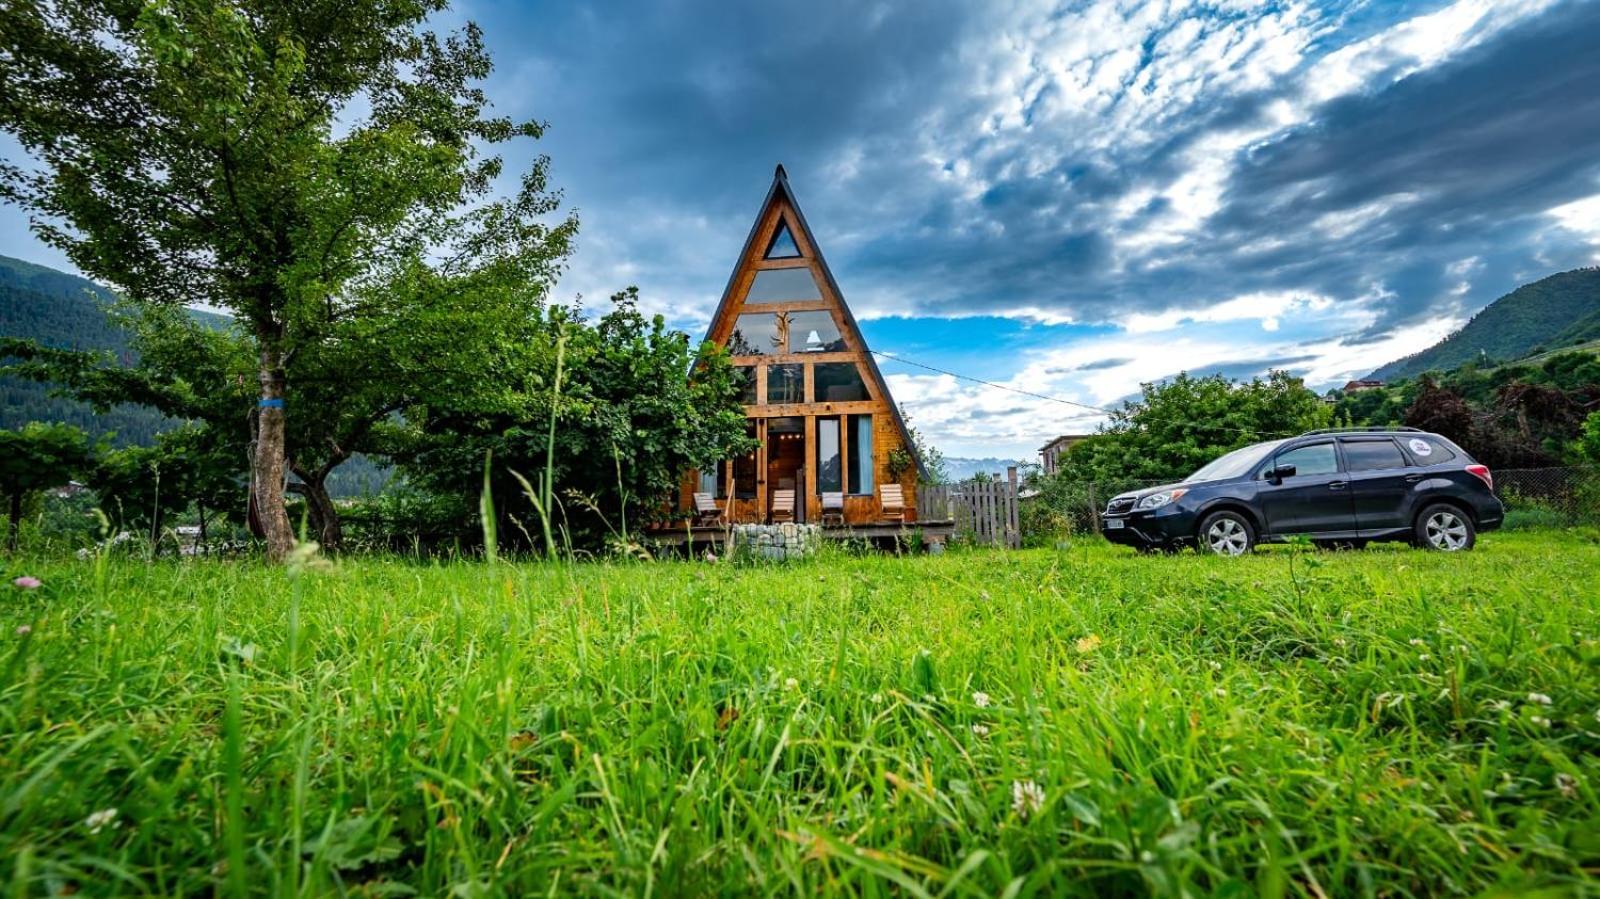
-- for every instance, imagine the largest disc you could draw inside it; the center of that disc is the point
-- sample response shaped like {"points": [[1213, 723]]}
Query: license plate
{"points": [[1114, 523]]}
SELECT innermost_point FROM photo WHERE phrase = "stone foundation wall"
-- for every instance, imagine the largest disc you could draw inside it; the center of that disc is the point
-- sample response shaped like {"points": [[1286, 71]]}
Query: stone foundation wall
{"points": [[776, 542]]}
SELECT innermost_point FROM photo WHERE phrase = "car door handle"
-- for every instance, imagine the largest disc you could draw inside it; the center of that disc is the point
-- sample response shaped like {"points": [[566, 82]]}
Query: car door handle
{"points": [[1413, 478], [1336, 485]]}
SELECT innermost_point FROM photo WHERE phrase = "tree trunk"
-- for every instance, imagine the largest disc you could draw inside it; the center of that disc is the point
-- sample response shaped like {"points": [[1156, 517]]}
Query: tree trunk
{"points": [[267, 467], [323, 513], [16, 519]]}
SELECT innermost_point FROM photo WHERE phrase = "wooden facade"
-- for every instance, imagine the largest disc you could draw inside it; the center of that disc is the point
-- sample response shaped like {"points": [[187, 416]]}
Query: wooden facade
{"points": [[814, 396]]}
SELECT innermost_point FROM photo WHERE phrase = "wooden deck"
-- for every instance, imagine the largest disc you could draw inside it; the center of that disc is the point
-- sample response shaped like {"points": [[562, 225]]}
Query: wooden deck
{"points": [[932, 533]]}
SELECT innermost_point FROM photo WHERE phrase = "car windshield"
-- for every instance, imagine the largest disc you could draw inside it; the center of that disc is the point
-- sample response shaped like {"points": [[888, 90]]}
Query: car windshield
{"points": [[1233, 464]]}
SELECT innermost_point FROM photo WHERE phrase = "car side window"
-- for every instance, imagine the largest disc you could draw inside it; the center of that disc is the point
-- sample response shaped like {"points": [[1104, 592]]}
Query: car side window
{"points": [[1314, 459], [1429, 450], [1372, 455]]}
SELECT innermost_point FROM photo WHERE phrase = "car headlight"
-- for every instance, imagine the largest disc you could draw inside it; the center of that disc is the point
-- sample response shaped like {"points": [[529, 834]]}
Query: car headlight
{"points": [[1157, 500]]}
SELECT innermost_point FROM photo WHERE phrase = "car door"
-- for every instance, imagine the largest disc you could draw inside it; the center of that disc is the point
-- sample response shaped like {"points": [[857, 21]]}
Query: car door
{"points": [[1381, 482], [1313, 500]]}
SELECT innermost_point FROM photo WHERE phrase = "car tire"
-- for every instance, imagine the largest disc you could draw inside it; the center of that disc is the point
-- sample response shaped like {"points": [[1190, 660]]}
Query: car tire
{"points": [[1225, 534], [1445, 528]]}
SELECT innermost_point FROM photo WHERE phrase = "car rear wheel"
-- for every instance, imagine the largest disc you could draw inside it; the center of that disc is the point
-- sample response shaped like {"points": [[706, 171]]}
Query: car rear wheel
{"points": [[1226, 534], [1446, 529]]}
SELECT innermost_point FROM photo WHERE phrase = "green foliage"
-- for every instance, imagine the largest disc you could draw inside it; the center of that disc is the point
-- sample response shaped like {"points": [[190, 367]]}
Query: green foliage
{"points": [[1553, 312], [36, 457], [1179, 425], [1405, 723], [638, 406], [1589, 440]]}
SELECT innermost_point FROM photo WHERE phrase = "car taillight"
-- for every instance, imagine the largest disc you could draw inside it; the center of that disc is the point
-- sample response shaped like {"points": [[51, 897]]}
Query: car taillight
{"points": [[1482, 471]]}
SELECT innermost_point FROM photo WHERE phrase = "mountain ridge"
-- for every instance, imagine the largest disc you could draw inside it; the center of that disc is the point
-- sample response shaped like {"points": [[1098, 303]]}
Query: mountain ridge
{"points": [[1556, 310]]}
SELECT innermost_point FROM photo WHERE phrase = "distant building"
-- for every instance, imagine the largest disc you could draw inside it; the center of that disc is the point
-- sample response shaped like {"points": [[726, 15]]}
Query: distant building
{"points": [[1051, 452], [1358, 386]]}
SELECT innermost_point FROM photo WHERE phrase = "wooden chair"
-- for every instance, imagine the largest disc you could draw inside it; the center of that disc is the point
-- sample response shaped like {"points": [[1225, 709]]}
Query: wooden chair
{"points": [[706, 512], [892, 502], [832, 509], [782, 506]]}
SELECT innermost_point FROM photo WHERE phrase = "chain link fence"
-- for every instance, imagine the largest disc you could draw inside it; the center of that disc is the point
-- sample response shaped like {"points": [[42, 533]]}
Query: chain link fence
{"points": [[1534, 497]]}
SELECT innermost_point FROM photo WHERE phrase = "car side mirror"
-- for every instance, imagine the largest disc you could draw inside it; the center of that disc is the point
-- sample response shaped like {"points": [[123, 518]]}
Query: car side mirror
{"points": [[1277, 475]]}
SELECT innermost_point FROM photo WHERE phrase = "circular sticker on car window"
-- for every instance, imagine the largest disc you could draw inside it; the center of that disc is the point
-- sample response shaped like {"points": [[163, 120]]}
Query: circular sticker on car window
{"points": [[1421, 447]]}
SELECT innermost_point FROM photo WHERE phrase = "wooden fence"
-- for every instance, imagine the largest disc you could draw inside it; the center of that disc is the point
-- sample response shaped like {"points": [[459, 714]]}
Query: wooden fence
{"points": [[983, 510]]}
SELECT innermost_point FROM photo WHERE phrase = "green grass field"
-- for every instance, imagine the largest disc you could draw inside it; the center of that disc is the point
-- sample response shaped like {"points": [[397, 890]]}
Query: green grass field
{"points": [[1385, 722]]}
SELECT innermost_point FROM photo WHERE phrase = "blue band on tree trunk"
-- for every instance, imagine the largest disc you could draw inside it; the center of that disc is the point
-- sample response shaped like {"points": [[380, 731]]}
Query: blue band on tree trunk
{"points": [[271, 402]]}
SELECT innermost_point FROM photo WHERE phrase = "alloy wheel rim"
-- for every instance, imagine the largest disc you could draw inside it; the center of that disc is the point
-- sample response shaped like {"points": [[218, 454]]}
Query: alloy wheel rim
{"points": [[1446, 531], [1226, 537]]}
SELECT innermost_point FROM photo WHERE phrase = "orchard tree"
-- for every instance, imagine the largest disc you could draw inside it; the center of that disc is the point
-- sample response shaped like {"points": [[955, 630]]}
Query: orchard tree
{"points": [[639, 405], [38, 457], [285, 162]]}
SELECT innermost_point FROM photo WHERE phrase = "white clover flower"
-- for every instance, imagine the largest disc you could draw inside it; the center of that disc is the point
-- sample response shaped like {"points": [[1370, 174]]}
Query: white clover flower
{"points": [[791, 684], [877, 699], [101, 820], [981, 730], [1567, 784], [1215, 666], [1540, 698], [980, 699], [1424, 657], [1540, 722], [1027, 797], [1417, 641], [1340, 642], [24, 630], [1221, 692]]}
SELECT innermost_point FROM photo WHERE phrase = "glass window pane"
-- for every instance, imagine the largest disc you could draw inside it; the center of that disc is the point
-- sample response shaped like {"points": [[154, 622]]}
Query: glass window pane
{"points": [[744, 469], [1372, 455], [786, 384], [861, 481], [838, 382], [755, 335], [711, 482], [783, 245], [1317, 458], [1429, 450], [828, 461], [746, 376], [814, 332], [778, 285]]}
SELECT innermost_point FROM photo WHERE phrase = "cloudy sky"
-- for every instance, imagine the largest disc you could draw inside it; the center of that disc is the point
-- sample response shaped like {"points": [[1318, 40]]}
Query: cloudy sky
{"points": [[1072, 198]]}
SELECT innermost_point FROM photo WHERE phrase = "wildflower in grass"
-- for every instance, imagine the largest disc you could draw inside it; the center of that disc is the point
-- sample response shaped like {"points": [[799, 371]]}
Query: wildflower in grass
{"points": [[1424, 657], [710, 556], [981, 730], [1539, 698], [1089, 643], [1214, 666], [877, 699], [980, 699], [1340, 642], [791, 684], [24, 630], [1500, 705], [101, 820], [1417, 641], [27, 582], [1538, 721], [1221, 691], [1567, 784], [1027, 797]]}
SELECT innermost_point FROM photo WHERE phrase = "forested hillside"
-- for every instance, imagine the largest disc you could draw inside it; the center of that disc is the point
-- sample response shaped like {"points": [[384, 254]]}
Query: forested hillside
{"points": [[62, 310], [1557, 311], [65, 311]]}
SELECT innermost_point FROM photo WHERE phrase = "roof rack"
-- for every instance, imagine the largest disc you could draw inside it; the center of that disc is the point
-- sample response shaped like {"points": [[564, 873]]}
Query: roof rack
{"points": [[1362, 430]]}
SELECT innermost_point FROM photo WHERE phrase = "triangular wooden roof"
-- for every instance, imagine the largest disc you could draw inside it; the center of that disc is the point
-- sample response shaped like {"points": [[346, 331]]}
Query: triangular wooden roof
{"points": [[781, 191]]}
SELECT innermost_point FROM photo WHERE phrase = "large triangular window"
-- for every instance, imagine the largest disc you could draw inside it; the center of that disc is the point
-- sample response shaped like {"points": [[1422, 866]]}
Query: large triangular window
{"points": [[783, 245]]}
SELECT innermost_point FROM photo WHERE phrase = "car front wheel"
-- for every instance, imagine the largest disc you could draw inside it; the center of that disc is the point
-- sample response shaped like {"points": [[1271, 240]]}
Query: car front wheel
{"points": [[1445, 528], [1226, 534]]}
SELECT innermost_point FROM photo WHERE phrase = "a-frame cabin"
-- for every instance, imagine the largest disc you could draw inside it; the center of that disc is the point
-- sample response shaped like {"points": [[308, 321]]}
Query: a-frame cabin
{"points": [[814, 396]]}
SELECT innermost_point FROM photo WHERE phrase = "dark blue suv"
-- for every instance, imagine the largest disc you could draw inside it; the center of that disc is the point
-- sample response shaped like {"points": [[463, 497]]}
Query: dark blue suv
{"points": [[1342, 486]]}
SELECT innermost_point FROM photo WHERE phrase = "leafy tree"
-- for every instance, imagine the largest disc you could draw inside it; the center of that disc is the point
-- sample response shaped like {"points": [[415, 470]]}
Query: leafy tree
{"points": [[37, 457], [1589, 440], [639, 406], [1442, 411], [283, 162], [1179, 425]]}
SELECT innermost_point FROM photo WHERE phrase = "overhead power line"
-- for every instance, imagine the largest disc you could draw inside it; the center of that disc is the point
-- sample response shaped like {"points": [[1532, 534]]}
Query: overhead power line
{"points": [[1037, 396]]}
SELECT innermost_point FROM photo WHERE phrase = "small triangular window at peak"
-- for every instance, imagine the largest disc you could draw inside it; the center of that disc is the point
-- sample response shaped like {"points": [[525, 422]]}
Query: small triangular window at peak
{"points": [[783, 245]]}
